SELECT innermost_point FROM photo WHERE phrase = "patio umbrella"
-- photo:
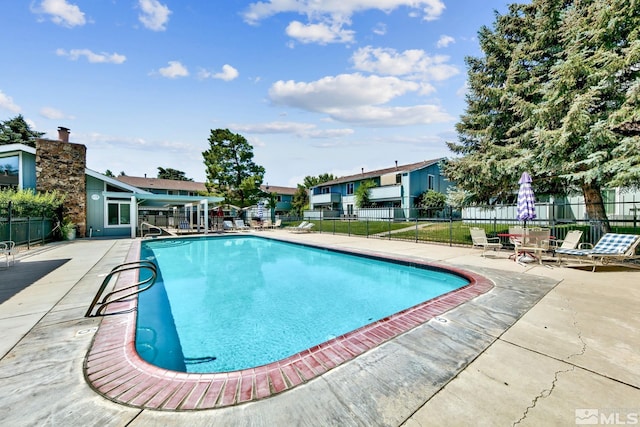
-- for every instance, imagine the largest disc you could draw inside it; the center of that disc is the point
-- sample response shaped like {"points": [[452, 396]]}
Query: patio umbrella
{"points": [[526, 199], [260, 210]]}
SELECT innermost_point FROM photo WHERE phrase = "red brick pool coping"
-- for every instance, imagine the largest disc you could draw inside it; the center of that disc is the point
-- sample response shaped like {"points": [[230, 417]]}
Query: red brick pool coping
{"points": [[114, 369]]}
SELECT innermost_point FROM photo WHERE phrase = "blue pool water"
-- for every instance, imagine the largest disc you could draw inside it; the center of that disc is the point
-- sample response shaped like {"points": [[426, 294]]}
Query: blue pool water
{"points": [[229, 303]]}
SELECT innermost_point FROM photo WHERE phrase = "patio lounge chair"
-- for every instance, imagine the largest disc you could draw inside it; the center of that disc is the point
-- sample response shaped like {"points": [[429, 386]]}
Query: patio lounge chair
{"points": [[240, 225], [479, 238], [297, 227], [8, 249], [304, 229], [612, 247], [228, 226]]}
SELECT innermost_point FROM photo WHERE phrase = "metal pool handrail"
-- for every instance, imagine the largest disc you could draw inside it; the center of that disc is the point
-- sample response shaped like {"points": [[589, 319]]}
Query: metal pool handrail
{"points": [[134, 265], [149, 232]]}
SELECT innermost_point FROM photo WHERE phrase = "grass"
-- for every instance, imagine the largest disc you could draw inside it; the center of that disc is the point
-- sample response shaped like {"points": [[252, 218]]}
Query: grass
{"points": [[455, 232]]}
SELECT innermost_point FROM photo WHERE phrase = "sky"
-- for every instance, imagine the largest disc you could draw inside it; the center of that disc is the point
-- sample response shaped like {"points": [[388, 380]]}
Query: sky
{"points": [[315, 86]]}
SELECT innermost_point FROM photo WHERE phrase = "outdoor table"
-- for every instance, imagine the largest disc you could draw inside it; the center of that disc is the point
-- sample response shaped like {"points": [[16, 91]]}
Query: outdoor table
{"points": [[520, 253]]}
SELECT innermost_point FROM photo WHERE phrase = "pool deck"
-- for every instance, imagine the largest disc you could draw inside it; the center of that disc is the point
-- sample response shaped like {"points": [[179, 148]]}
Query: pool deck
{"points": [[547, 346]]}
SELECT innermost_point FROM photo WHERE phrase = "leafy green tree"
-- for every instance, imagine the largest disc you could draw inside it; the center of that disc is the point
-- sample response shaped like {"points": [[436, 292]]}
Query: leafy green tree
{"points": [[18, 131], [430, 202], [272, 200], [300, 200], [109, 173], [558, 82], [173, 174], [312, 181], [362, 194], [231, 171]]}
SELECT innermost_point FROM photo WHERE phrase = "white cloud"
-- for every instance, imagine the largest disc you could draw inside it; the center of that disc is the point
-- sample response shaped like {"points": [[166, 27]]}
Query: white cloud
{"points": [[54, 114], [75, 54], [372, 116], [6, 103], [303, 130], [356, 99], [321, 33], [327, 18], [228, 73], [154, 15], [445, 41], [342, 91], [380, 29], [61, 12], [174, 70], [431, 9], [413, 62]]}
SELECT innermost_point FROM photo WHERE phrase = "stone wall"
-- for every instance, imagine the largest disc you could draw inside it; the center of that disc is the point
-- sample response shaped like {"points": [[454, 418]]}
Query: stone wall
{"points": [[61, 166]]}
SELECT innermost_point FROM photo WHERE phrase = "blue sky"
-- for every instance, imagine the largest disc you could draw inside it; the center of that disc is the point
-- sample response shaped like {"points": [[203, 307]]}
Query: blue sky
{"points": [[331, 86]]}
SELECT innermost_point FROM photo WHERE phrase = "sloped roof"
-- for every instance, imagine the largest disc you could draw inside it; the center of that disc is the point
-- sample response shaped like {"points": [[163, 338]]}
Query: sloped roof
{"points": [[379, 172], [279, 190], [163, 184]]}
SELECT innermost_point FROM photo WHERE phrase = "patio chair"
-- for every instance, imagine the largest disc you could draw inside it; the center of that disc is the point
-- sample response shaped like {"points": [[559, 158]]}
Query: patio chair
{"points": [[304, 229], [298, 227], [611, 248], [228, 226], [479, 238], [240, 225], [8, 249], [534, 242], [570, 241]]}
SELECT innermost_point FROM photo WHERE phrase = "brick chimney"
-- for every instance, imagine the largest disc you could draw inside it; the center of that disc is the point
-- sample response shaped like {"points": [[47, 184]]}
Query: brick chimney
{"points": [[60, 165], [63, 134]]}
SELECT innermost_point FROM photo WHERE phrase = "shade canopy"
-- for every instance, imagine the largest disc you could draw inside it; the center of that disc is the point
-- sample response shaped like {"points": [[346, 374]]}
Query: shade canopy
{"points": [[526, 199]]}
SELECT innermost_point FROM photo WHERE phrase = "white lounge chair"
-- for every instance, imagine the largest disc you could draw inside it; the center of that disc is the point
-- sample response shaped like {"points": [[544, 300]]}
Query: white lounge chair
{"points": [[611, 248], [299, 226], [479, 238], [306, 228], [228, 226], [240, 225], [8, 249]]}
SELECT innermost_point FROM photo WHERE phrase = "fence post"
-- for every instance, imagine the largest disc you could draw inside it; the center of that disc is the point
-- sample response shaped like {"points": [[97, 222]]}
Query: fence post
{"points": [[28, 232], [450, 225], [9, 209]]}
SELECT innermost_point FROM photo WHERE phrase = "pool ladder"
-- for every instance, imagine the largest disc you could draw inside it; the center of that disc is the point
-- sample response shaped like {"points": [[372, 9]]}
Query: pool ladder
{"points": [[152, 230], [111, 297]]}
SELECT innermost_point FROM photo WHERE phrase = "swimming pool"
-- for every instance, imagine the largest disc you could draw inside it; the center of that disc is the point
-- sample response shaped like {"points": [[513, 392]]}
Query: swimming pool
{"points": [[229, 303], [114, 369]]}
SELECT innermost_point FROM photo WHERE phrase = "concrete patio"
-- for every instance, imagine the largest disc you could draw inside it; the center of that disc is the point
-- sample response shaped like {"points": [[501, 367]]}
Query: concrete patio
{"points": [[547, 346]]}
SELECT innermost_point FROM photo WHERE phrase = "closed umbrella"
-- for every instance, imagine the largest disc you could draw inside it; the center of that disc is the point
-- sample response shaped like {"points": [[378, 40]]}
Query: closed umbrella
{"points": [[526, 199], [260, 210]]}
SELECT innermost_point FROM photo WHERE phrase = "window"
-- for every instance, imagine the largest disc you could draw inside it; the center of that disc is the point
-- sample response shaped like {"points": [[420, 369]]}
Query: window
{"points": [[350, 188], [398, 178], [430, 182], [9, 172], [119, 213], [325, 190]]}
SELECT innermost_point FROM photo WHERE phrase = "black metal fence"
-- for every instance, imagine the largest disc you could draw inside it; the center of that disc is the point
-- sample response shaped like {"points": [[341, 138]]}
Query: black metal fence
{"points": [[26, 230], [450, 226]]}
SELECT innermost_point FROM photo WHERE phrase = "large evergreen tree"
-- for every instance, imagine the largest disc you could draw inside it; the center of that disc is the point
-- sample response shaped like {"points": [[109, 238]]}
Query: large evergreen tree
{"points": [[553, 95], [231, 171], [18, 131], [173, 174]]}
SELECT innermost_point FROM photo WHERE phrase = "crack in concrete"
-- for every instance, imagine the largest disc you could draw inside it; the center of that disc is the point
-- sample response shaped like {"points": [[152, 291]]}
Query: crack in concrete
{"points": [[543, 394], [547, 392]]}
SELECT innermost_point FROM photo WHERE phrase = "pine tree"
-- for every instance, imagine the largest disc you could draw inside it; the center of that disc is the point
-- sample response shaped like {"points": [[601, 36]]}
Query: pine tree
{"points": [[555, 94]]}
